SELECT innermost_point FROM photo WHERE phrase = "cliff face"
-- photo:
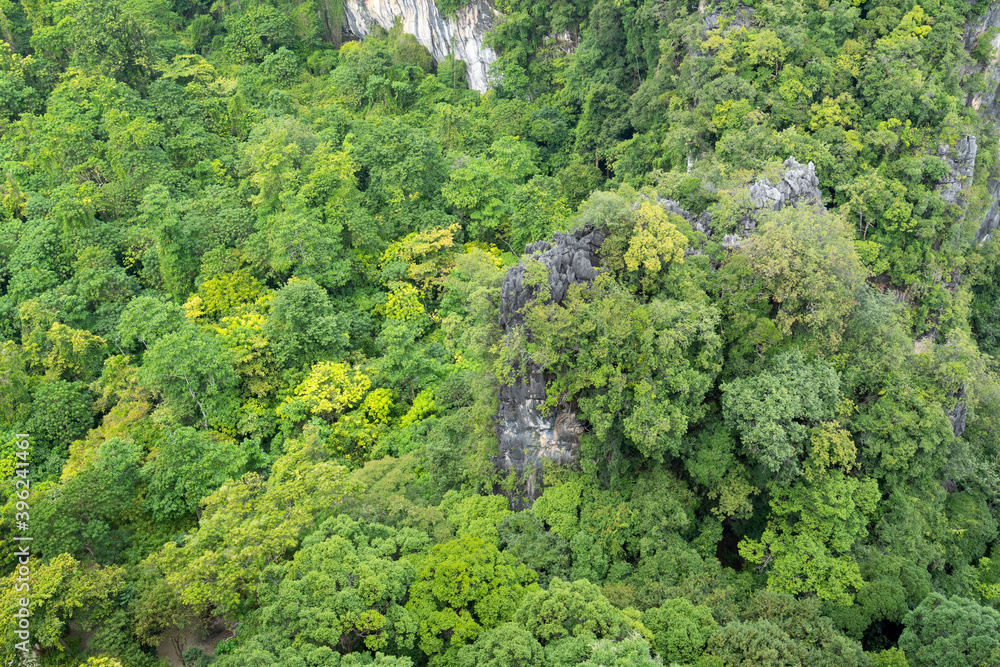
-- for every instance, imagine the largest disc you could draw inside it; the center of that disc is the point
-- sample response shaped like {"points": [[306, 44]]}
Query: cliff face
{"points": [[987, 103], [525, 436], [422, 19], [961, 161]]}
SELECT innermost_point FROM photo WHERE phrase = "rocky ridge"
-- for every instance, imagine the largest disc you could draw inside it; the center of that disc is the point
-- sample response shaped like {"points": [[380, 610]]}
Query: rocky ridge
{"points": [[527, 438]]}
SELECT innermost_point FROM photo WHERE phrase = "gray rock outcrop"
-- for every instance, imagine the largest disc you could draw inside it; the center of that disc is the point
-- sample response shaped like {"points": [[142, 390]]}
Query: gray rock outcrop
{"points": [[961, 161], [731, 241], [992, 218], [699, 223], [957, 417], [798, 186], [988, 102], [462, 34], [525, 436]]}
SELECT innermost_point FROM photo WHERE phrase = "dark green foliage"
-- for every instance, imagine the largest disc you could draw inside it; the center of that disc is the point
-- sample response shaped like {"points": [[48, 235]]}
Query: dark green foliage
{"points": [[89, 515], [303, 328], [746, 644], [61, 412], [773, 411], [955, 631], [342, 592], [193, 376], [509, 645], [186, 468], [681, 628], [111, 39], [145, 320], [254, 33], [524, 537]]}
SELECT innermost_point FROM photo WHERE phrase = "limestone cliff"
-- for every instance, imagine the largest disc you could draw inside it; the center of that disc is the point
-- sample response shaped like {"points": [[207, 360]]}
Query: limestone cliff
{"points": [[987, 102], [961, 161], [462, 33], [525, 436]]}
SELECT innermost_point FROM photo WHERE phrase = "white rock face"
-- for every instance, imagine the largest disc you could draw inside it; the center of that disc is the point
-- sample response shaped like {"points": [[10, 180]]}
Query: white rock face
{"points": [[423, 20]]}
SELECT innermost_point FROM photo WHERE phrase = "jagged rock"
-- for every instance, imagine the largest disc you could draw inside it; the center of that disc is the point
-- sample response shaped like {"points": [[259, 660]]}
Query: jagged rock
{"points": [[570, 258], [799, 184], [961, 163], [731, 241], [422, 19], [525, 436], [701, 223]]}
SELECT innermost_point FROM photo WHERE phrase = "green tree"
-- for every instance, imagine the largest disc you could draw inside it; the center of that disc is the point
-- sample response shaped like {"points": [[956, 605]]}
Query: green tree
{"points": [[524, 536], [640, 368], [634, 651], [63, 590], [464, 587], [753, 643], [604, 121], [253, 34], [341, 593], [567, 618], [812, 530], [186, 466], [681, 629], [145, 320], [303, 327], [190, 372], [951, 631], [61, 412], [774, 410], [246, 525], [89, 514], [509, 645], [806, 264]]}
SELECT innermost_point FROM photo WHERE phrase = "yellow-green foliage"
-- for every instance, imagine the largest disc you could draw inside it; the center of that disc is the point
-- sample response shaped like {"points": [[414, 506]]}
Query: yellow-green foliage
{"points": [[330, 389], [655, 240]]}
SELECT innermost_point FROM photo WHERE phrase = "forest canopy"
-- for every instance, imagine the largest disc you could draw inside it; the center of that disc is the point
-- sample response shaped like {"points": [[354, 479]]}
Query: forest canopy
{"points": [[269, 291]]}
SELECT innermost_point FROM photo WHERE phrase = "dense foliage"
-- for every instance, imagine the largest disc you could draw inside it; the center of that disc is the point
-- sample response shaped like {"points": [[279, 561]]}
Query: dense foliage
{"points": [[250, 275]]}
